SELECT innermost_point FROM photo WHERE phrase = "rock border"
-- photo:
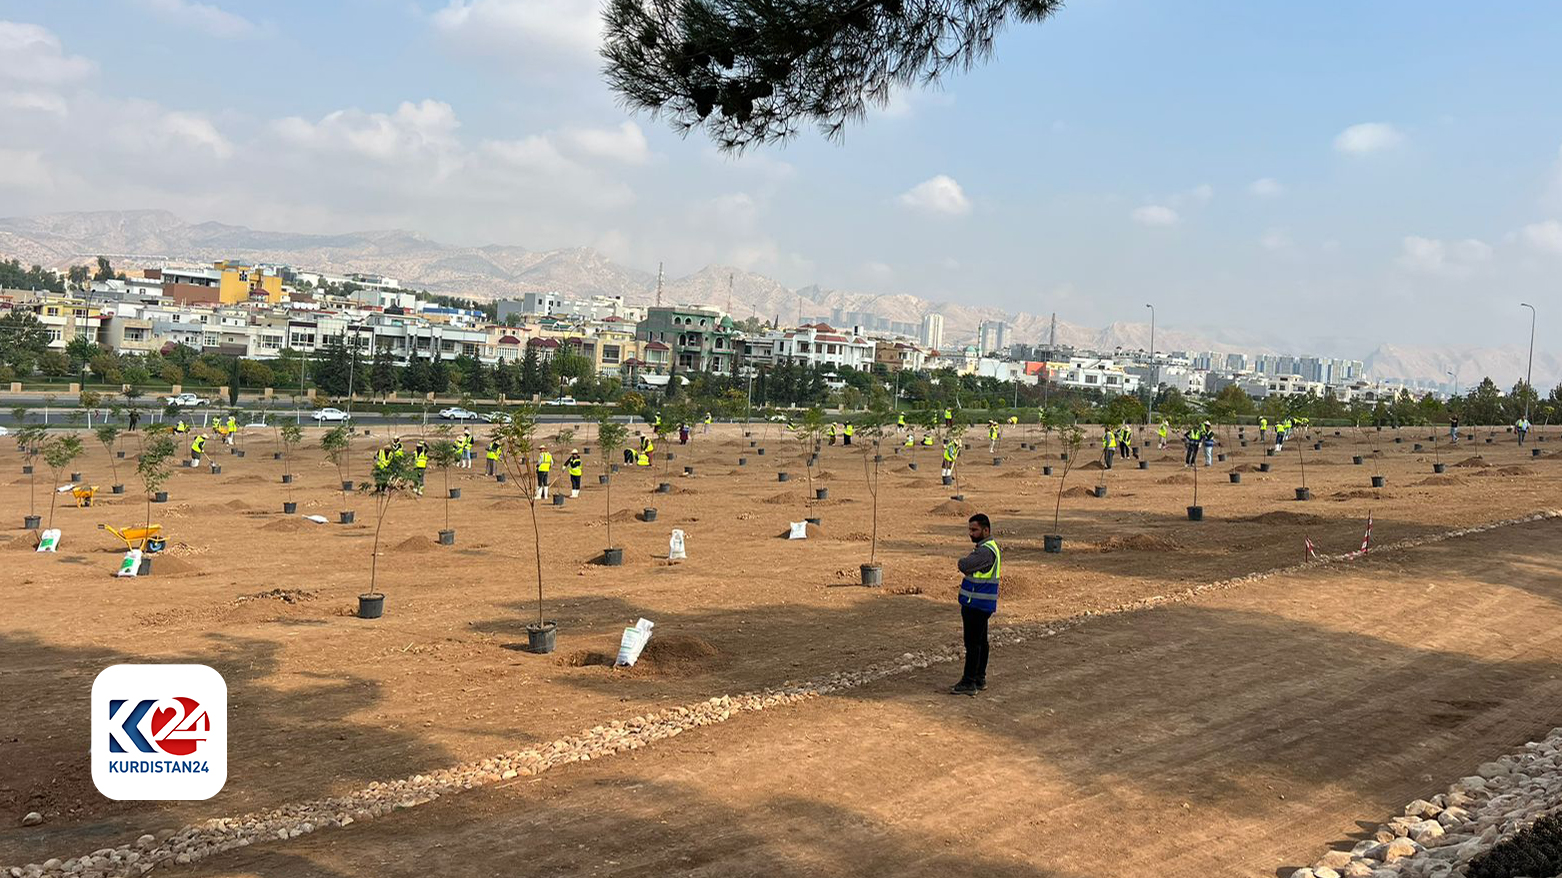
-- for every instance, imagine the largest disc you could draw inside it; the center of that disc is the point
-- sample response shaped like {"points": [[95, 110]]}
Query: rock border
{"points": [[198, 841]]}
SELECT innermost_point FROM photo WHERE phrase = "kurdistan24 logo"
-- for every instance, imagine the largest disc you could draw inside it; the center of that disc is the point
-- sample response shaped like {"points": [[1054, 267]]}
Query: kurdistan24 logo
{"points": [[159, 732]]}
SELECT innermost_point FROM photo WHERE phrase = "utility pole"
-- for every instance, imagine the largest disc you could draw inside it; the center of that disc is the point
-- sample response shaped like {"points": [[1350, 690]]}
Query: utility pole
{"points": [[1155, 372], [1529, 370], [730, 275]]}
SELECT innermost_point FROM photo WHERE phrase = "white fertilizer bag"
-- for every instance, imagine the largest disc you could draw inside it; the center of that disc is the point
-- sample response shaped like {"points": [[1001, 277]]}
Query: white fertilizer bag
{"points": [[49, 540], [675, 547], [131, 566], [633, 642], [317, 519], [799, 531]]}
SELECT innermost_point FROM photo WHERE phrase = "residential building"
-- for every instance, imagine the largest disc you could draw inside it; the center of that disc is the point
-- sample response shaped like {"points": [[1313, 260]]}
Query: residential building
{"points": [[992, 336], [702, 339], [932, 336]]}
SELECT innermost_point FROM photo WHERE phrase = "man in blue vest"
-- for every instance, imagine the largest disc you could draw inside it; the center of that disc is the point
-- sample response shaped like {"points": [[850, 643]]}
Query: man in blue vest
{"points": [[978, 602]]}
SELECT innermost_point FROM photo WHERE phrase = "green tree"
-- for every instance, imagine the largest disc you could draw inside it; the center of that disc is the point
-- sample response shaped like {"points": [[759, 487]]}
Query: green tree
{"points": [[750, 71], [382, 374], [154, 464], [531, 372], [58, 454], [612, 436], [337, 445], [79, 351], [105, 270], [29, 441], [289, 435], [518, 438], [23, 341], [107, 435], [78, 275], [396, 478]]}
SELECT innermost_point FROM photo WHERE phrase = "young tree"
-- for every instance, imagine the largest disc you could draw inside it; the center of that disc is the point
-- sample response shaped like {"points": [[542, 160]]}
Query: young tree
{"points": [[612, 436], [107, 434], [518, 438], [1073, 439], [389, 481], [29, 441], [873, 429], [289, 435], [336, 445], [810, 431], [58, 454], [153, 465], [442, 455]]}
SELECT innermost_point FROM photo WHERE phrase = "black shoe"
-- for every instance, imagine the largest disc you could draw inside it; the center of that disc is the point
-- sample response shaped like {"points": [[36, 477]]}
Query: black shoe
{"points": [[964, 687], [981, 685]]}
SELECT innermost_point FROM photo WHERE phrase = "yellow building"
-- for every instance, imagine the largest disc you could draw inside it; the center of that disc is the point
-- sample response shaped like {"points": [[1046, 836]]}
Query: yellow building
{"points": [[225, 283]]}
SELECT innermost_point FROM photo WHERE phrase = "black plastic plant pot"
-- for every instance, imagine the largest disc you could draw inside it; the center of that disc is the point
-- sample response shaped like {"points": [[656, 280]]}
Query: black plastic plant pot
{"points": [[287, 479], [612, 557], [1052, 543], [75, 477], [558, 499], [32, 522], [1195, 513], [1398, 439], [1377, 481], [1488, 440], [879, 458], [872, 575], [347, 486], [742, 461], [958, 498], [813, 460], [1534, 452], [1356, 459], [1439, 467], [1304, 494], [501, 478], [912, 466], [1100, 490], [455, 493], [289, 507], [612, 467], [120, 455], [821, 493], [160, 497], [371, 606], [345, 517], [276, 455], [1269, 452], [648, 513], [782, 477], [543, 638], [1416, 447], [760, 452], [1221, 458], [1263, 467], [1046, 470], [601, 480], [997, 461], [1236, 478], [664, 488], [688, 470], [1144, 464], [216, 469], [585, 450], [1244, 443], [239, 452], [1063, 455], [671, 456], [816, 521], [752, 443], [1317, 446], [949, 480], [447, 538], [116, 489], [27, 470]]}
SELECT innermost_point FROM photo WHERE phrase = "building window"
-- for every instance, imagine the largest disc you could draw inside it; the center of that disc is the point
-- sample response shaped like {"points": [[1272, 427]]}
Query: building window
{"points": [[55, 335], [135, 335], [209, 341]]}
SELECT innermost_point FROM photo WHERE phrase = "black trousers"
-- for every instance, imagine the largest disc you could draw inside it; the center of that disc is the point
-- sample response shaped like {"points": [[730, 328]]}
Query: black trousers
{"points": [[1193, 453], [974, 622], [1107, 453], [574, 483]]}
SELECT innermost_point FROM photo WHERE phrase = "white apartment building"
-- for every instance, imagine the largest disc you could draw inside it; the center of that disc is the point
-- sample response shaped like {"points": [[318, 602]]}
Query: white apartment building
{"points": [[812, 344], [1093, 373], [932, 336]]}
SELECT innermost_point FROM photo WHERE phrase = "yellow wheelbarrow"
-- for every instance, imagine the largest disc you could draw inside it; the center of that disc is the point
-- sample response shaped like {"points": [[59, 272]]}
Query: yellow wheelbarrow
{"points": [[148, 539], [84, 495]]}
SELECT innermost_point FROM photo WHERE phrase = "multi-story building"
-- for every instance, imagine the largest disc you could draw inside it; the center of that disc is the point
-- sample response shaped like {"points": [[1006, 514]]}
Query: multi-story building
{"points": [[816, 344], [66, 318], [932, 336], [898, 356], [225, 283], [702, 339], [992, 336]]}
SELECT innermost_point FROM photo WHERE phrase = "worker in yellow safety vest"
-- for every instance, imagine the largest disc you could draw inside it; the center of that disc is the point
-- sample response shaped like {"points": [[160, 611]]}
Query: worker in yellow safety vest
{"points": [[181, 427], [951, 454], [850, 431], [575, 467], [992, 436], [197, 447], [493, 456], [927, 439], [464, 445], [1161, 431], [420, 461], [1108, 446], [544, 466], [707, 423]]}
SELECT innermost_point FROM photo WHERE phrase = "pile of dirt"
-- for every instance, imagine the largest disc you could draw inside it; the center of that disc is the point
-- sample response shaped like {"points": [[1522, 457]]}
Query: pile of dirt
{"points": [[287, 525], [953, 507], [247, 480], [1444, 481], [1472, 461], [418, 543], [21, 544], [625, 515], [164, 564], [1178, 479], [285, 595], [781, 499], [1136, 543], [676, 489], [1245, 468], [508, 503], [1093, 464], [238, 504], [1079, 491], [814, 532], [1018, 585], [1278, 519], [1514, 471], [667, 655], [1360, 494]]}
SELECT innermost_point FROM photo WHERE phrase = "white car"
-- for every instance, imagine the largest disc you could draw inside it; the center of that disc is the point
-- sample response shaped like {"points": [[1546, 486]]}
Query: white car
{"points": [[563, 400], [329, 414], [184, 400], [456, 413], [497, 418]]}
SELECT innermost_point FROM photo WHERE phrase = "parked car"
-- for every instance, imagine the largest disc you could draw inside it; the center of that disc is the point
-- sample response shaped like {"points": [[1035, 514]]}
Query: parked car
{"points": [[329, 414], [456, 413], [497, 418], [184, 400], [563, 400]]}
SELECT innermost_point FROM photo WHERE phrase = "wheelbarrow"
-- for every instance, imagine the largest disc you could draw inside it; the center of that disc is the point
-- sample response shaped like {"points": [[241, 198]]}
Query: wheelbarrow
{"points": [[84, 495], [148, 539]]}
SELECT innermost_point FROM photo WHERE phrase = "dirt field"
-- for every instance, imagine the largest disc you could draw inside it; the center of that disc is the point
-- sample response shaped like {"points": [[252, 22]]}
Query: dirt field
{"points": [[1327, 687]]}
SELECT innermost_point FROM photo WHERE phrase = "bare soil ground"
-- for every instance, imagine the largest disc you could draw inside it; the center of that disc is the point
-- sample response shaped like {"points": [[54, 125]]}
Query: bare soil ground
{"points": [[1309, 681]]}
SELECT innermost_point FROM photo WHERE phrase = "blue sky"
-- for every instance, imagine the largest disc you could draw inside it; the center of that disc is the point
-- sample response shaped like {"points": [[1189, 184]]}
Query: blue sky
{"points": [[1339, 174]]}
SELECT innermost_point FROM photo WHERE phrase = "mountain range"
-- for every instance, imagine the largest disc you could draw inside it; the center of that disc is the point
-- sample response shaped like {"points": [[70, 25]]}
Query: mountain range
{"points": [[148, 238]]}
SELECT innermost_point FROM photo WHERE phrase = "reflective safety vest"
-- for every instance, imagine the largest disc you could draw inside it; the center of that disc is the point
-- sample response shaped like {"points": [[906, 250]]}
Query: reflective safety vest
{"points": [[198, 445], [832, 429], [850, 430], [951, 452], [397, 450], [232, 424], [382, 459], [544, 462], [1161, 430], [949, 414], [420, 457], [646, 445], [573, 464], [707, 417], [181, 428], [1125, 438], [909, 441], [464, 443], [1014, 419], [992, 431], [979, 590], [1109, 440], [493, 450], [642, 459], [1263, 424], [928, 440], [900, 421]]}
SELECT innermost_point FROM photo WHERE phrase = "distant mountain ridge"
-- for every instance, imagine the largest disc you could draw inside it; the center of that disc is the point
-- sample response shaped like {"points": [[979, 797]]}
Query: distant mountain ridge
{"points": [[142, 238]]}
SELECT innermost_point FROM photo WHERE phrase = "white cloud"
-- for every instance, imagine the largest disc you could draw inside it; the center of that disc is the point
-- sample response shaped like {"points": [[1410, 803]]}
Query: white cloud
{"points": [[571, 28], [36, 101], [626, 143], [1201, 194], [1368, 137], [938, 195], [1443, 258], [421, 130], [197, 130], [29, 53], [205, 17], [1265, 187], [907, 102], [1155, 215], [23, 169], [1276, 241], [1544, 236]]}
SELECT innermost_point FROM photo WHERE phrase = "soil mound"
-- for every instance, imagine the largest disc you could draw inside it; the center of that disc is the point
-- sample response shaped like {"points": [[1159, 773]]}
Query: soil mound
{"points": [[1093, 464], [1136, 543], [667, 655], [1079, 491], [1360, 494], [1245, 468], [238, 504], [21, 544], [1472, 461], [287, 525], [1444, 481], [782, 498], [625, 515], [1179, 479], [417, 543], [246, 480], [953, 507], [164, 564], [1019, 584], [1514, 471], [1281, 519]]}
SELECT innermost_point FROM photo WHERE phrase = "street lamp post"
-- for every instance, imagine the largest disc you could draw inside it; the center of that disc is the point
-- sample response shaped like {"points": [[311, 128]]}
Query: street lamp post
{"points": [[1155, 372], [1529, 369]]}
